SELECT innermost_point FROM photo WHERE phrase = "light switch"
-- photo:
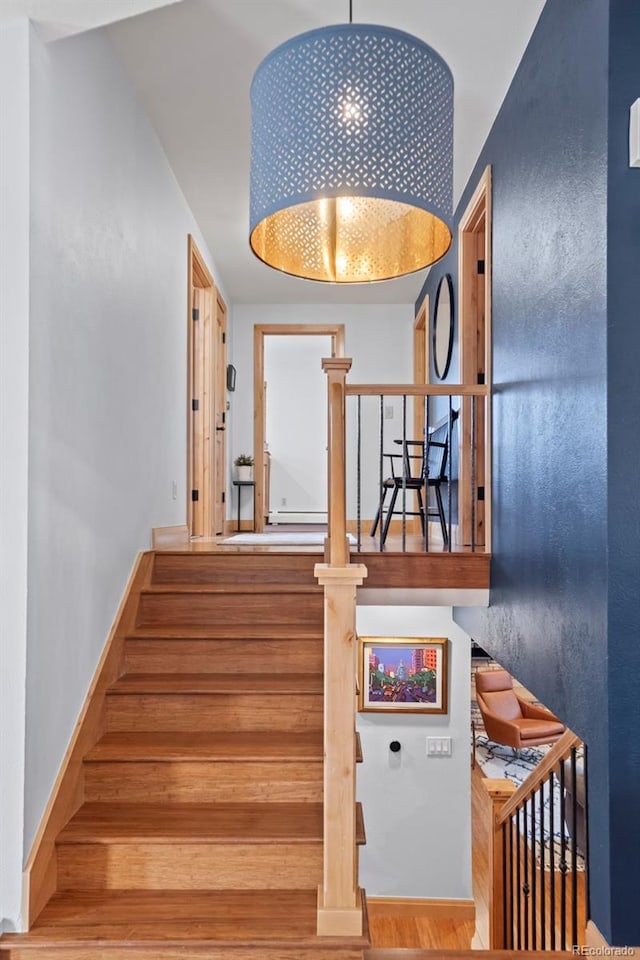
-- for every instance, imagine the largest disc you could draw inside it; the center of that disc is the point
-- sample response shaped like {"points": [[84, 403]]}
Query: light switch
{"points": [[438, 746]]}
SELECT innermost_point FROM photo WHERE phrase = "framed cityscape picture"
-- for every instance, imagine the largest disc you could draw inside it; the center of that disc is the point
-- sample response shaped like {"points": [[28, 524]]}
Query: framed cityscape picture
{"points": [[404, 674]]}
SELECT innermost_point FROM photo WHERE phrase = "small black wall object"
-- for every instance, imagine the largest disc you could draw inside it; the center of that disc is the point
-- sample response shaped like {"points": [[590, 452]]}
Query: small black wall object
{"points": [[395, 746], [231, 377]]}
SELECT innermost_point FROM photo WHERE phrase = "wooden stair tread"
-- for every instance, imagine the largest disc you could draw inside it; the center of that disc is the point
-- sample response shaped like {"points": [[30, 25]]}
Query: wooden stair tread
{"points": [[266, 746], [231, 587], [227, 631], [232, 916], [190, 823], [258, 684]]}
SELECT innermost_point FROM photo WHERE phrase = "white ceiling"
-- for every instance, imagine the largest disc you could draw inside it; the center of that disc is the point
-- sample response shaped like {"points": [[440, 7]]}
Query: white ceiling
{"points": [[192, 63], [55, 19]]}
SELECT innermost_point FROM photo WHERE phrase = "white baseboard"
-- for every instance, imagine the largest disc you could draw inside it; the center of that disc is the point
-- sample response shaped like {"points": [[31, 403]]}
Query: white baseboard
{"points": [[291, 516]]}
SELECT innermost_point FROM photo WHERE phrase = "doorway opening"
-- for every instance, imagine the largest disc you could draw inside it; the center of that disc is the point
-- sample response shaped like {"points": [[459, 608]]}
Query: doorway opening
{"points": [[284, 391], [474, 270], [206, 400]]}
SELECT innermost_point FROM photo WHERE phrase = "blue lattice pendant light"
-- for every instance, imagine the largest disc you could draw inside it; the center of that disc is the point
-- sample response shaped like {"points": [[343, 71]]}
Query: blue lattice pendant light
{"points": [[351, 155]]}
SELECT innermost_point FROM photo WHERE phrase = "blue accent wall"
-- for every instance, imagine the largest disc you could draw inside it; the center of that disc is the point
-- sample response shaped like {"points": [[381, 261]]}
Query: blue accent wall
{"points": [[565, 599], [623, 472]]}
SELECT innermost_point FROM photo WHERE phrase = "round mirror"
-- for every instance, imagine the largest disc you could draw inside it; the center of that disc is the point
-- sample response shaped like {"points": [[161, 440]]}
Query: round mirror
{"points": [[443, 327]]}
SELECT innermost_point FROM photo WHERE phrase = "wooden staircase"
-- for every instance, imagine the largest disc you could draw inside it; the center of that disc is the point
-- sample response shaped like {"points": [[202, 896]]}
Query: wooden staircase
{"points": [[200, 832]]}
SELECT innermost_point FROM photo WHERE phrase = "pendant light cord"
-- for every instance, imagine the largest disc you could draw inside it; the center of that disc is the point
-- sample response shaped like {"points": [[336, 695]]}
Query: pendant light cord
{"points": [[350, 11]]}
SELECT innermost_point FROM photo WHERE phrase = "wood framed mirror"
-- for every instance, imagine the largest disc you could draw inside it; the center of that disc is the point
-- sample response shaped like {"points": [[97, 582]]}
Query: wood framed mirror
{"points": [[443, 327]]}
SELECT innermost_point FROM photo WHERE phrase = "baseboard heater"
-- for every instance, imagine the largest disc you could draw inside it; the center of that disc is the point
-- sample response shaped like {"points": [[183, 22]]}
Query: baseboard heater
{"points": [[298, 516]]}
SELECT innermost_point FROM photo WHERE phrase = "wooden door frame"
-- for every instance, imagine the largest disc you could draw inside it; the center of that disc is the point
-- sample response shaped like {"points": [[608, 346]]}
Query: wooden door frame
{"points": [[477, 218], [260, 331], [219, 371], [421, 362], [200, 432]]}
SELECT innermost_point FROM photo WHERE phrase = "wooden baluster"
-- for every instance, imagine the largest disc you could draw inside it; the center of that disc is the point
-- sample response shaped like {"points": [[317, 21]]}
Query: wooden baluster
{"points": [[339, 906], [498, 792]]}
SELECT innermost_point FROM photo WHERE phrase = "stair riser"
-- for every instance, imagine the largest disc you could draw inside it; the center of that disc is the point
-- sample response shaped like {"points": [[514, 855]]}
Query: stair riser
{"points": [[225, 952], [199, 866], [222, 656], [235, 568], [215, 712], [203, 782], [201, 609]]}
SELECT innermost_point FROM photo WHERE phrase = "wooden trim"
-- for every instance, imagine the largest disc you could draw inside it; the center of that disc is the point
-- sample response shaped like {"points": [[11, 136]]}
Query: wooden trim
{"points": [[416, 390], [559, 752], [201, 373], [420, 361], [162, 537], [303, 330], [67, 795], [423, 908], [474, 243], [260, 331], [495, 796]]}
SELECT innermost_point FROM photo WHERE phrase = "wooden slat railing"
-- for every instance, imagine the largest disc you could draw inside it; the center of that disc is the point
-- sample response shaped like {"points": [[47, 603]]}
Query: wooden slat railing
{"points": [[339, 898], [532, 904], [468, 458]]}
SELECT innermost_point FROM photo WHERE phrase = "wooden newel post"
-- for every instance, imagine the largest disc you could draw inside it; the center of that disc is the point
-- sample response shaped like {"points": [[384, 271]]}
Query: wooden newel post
{"points": [[339, 907], [339, 901], [337, 548], [497, 793]]}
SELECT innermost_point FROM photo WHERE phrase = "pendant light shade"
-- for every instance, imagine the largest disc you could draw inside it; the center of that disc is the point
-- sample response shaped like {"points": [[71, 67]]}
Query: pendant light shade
{"points": [[351, 155]]}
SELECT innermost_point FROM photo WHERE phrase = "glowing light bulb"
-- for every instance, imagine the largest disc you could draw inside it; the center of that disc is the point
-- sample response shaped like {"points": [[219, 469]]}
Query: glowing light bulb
{"points": [[351, 111], [346, 208]]}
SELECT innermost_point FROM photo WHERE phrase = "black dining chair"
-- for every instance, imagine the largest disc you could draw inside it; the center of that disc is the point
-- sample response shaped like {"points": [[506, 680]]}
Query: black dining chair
{"points": [[410, 472]]}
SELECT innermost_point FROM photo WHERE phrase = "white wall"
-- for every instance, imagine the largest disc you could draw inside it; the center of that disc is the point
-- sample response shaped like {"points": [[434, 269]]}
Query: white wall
{"points": [[296, 422], [14, 440], [108, 373], [417, 809], [378, 338]]}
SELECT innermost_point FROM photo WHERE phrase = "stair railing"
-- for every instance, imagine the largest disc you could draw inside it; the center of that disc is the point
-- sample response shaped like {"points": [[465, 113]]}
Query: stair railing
{"points": [[339, 897], [538, 853], [440, 433]]}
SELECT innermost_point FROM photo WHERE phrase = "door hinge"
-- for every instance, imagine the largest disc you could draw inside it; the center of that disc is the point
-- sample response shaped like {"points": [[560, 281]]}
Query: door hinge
{"points": [[195, 314], [481, 267], [195, 405], [195, 496], [224, 337], [480, 493], [224, 497], [480, 379]]}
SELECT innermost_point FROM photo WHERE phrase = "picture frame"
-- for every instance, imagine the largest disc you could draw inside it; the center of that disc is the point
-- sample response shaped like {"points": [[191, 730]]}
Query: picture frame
{"points": [[394, 689]]}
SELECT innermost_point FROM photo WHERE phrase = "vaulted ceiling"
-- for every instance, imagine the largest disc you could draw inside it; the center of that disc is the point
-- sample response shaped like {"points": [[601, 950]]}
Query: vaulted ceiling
{"points": [[192, 63]]}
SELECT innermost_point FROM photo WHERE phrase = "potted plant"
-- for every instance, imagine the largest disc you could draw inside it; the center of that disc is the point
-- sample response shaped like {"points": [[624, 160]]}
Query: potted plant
{"points": [[244, 467]]}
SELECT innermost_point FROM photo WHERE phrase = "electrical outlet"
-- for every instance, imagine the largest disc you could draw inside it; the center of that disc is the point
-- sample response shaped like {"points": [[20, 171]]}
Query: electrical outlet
{"points": [[283, 502], [388, 412], [174, 489], [438, 746]]}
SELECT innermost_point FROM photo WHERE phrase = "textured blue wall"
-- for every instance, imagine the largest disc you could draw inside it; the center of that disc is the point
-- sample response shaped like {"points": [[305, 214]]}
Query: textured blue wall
{"points": [[564, 618], [623, 400]]}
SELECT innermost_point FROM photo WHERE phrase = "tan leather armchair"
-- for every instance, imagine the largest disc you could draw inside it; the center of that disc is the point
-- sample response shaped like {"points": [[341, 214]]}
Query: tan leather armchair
{"points": [[510, 720]]}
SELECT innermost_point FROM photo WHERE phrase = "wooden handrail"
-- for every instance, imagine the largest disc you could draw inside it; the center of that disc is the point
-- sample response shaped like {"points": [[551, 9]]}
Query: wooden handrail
{"points": [[560, 751], [416, 390]]}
